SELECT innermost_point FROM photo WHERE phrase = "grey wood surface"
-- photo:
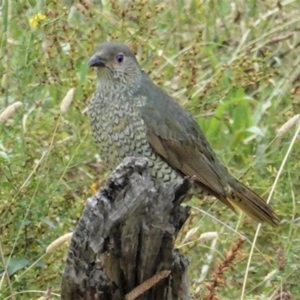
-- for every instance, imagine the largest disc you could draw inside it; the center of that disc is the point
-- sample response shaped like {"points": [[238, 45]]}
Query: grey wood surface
{"points": [[126, 236]]}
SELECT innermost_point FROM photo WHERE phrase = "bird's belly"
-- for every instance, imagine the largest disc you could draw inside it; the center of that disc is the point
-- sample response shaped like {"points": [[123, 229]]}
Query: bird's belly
{"points": [[117, 139], [120, 135]]}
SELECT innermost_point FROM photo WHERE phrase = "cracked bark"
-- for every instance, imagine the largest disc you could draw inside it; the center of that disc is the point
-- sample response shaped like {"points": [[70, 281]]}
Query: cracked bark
{"points": [[126, 236]]}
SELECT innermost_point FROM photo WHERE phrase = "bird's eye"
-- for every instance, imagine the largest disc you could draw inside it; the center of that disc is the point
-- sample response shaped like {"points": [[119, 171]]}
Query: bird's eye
{"points": [[120, 58]]}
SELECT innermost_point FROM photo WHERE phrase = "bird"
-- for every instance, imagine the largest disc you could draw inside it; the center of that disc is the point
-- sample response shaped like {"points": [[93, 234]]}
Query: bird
{"points": [[130, 116]]}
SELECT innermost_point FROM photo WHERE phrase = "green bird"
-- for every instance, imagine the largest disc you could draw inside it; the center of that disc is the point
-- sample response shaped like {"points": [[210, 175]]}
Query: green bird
{"points": [[131, 116]]}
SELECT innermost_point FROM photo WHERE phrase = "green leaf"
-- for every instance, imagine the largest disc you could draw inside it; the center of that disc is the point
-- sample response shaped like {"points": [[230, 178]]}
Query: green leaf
{"points": [[4, 157], [15, 264], [48, 222]]}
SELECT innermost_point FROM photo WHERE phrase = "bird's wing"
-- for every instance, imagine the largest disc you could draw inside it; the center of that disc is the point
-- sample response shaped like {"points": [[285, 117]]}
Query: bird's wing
{"points": [[176, 137]]}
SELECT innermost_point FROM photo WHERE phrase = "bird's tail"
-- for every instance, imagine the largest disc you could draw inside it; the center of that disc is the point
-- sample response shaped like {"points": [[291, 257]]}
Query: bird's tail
{"points": [[251, 204]]}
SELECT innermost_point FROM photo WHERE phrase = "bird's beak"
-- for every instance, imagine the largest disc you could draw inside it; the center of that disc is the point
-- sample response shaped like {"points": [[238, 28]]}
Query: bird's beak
{"points": [[96, 61]]}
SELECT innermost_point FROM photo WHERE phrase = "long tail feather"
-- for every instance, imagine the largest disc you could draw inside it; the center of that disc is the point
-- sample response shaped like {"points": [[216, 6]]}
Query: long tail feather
{"points": [[252, 204]]}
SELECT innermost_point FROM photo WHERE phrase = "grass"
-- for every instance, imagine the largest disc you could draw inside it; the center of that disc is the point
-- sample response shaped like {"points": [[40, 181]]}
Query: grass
{"points": [[233, 65]]}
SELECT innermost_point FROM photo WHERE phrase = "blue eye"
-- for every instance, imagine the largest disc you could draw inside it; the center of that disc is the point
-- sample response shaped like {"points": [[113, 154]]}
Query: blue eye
{"points": [[120, 58]]}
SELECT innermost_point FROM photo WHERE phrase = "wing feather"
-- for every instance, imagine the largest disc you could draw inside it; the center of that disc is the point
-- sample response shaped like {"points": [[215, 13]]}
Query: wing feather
{"points": [[176, 137]]}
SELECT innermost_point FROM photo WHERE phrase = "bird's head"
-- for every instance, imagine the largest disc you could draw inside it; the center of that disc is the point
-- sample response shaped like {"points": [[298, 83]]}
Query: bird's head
{"points": [[115, 64]]}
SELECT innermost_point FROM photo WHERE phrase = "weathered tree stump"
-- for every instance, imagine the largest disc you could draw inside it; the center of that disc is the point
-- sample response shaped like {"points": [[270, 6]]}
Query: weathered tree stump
{"points": [[123, 245]]}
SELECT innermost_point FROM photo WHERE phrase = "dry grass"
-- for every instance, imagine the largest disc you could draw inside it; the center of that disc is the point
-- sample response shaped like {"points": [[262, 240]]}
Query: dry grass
{"points": [[233, 64]]}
